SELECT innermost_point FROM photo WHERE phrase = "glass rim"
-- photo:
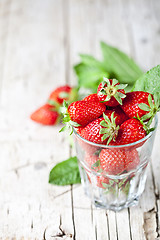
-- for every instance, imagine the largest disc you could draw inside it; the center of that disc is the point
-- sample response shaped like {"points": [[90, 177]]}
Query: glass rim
{"points": [[120, 146]]}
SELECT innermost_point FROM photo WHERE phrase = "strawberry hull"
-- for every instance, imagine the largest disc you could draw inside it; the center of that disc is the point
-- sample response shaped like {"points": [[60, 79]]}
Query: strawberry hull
{"points": [[114, 176]]}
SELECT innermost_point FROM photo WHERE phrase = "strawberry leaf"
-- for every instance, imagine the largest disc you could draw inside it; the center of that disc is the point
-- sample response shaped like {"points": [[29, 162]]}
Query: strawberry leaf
{"points": [[103, 123], [74, 124], [121, 86], [96, 164], [118, 98], [64, 95], [109, 130], [144, 107], [105, 136]]}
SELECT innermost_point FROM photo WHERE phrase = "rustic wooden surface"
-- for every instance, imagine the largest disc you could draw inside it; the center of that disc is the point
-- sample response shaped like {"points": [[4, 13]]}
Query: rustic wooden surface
{"points": [[39, 43]]}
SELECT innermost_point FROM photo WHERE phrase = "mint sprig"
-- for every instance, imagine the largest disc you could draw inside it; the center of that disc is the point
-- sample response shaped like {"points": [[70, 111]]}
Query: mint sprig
{"points": [[115, 64], [149, 82], [124, 68], [65, 173]]}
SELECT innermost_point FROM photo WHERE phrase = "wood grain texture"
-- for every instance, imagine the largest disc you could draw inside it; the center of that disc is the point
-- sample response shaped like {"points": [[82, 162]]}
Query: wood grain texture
{"points": [[39, 43]]}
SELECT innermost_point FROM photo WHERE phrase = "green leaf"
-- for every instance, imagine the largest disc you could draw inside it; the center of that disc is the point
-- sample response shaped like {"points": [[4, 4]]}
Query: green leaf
{"points": [[64, 95], [146, 116], [90, 72], [65, 173], [144, 107], [91, 61], [117, 62], [157, 99], [104, 130], [149, 82], [74, 124], [65, 128], [96, 164]]}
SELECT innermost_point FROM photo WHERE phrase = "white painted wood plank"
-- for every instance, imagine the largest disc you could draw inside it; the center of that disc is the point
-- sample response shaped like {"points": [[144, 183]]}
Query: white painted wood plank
{"points": [[34, 65], [146, 39], [112, 224], [137, 222], [148, 193], [29, 200], [123, 220], [93, 22], [35, 61], [156, 160], [143, 39], [83, 216], [101, 224], [4, 22]]}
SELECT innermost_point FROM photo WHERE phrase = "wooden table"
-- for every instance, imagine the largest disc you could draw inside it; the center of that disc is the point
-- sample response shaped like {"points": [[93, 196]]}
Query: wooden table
{"points": [[39, 43]]}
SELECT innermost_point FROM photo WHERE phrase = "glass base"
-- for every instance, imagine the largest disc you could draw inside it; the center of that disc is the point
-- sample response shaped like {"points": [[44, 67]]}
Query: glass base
{"points": [[115, 208], [117, 194]]}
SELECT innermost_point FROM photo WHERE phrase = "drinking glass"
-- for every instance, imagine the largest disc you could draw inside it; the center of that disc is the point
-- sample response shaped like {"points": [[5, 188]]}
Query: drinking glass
{"points": [[116, 189]]}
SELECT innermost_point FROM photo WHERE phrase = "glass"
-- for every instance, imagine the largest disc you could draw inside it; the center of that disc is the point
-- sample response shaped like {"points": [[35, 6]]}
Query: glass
{"points": [[122, 187]]}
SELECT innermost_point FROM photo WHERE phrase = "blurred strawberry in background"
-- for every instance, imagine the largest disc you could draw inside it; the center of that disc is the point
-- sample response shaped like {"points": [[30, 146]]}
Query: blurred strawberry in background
{"points": [[46, 115], [49, 113], [60, 94]]}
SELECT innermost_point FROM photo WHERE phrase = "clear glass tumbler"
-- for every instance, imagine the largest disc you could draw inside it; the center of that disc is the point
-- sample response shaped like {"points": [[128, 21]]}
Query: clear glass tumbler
{"points": [[119, 188]]}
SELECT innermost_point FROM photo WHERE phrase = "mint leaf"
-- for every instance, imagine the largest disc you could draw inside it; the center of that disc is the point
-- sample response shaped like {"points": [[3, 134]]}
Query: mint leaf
{"points": [[91, 61], [149, 82], [118, 63], [65, 173], [90, 72]]}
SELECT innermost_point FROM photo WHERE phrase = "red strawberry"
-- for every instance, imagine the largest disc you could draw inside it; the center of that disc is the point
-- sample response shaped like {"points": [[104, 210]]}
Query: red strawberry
{"points": [[100, 131], [91, 132], [111, 92], [83, 112], [116, 161], [93, 163], [132, 159], [119, 115], [45, 115], [130, 131], [92, 97], [102, 181], [91, 159], [87, 147], [131, 103]]}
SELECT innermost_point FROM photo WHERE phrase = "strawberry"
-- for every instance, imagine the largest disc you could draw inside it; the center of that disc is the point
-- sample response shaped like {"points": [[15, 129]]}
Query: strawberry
{"points": [[133, 101], [100, 131], [60, 94], [45, 115], [130, 131], [91, 159], [80, 113], [116, 161], [87, 147], [119, 115], [102, 181], [132, 159], [93, 163], [92, 97], [111, 92]]}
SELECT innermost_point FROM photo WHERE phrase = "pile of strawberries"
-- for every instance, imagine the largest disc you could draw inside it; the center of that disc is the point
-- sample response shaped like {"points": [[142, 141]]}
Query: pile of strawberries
{"points": [[111, 117]]}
